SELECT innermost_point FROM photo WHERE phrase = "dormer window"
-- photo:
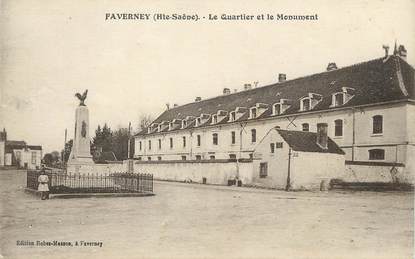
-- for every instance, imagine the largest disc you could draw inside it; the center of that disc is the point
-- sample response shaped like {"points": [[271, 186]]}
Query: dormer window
{"points": [[184, 124], [341, 98], [258, 110], [153, 127], [306, 105], [162, 126], [214, 119], [202, 119], [232, 116], [280, 107], [277, 109], [310, 101], [252, 113]]}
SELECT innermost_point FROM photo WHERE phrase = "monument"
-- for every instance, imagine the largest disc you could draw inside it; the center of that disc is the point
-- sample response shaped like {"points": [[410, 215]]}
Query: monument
{"points": [[80, 153]]}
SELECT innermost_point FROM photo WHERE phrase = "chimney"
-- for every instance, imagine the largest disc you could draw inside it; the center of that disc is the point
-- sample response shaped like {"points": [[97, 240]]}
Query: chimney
{"points": [[247, 86], [226, 91], [3, 135], [386, 48], [175, 105], [168, 106], [198, 99], [322, 135], [331, 66], [402, 52], [282, 78]]}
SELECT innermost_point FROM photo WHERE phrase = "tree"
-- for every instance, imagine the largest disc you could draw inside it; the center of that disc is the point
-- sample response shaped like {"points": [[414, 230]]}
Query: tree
{"points": [[120, 143], [48, 159], [67, 151], [55, 156], [103, 138], [144, 120]]}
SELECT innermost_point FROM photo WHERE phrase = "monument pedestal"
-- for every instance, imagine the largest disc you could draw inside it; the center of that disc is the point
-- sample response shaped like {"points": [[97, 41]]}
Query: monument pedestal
{"points": [[80, 153]]}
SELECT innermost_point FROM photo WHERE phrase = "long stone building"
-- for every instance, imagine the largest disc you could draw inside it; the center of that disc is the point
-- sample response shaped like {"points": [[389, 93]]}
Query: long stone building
{"points": [[369, 109]]}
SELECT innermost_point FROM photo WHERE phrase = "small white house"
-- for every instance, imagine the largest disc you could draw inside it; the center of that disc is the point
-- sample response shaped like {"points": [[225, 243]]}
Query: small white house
{"points": [[286, 159]]}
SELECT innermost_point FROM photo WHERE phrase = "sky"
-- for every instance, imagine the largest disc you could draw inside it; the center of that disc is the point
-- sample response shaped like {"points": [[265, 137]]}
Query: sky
{"points": [[52, 49]]}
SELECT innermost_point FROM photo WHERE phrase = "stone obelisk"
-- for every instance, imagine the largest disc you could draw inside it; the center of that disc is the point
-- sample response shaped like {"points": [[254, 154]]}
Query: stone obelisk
{"points": [[80, 153]]}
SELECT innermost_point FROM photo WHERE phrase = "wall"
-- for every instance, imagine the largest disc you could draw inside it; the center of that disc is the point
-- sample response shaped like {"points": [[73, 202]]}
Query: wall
{"points": [[26, 157], [99, 169], [377, 173], [215, 172], [277, 162], [2, 153], [308, 174]]}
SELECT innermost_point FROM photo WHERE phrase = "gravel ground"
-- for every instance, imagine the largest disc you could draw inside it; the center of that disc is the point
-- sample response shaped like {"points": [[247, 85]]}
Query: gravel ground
{"points": [[199, 221]]}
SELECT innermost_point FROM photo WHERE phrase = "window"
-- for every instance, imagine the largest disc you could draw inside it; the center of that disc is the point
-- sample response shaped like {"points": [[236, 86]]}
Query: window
{"points": [[184, 123], [184, 158], [171, 142], [214, 119], [215, 138], [139, 144], [272, 147], [232, 116], [306, 104], [277, 109], [198, 157], [33, 157], [159, 143], [198, 121], [263, 170], [232, 156], [184, 141], [139, 158], [149, 158], [338, 128], [306, 127], [253, 113], [253, 135], [278, 145], [149, 145], [376, 154], [198, 140], [251, 156], [212, 157], [233, 137], [377, 124], [338, 99], [159, 158]]}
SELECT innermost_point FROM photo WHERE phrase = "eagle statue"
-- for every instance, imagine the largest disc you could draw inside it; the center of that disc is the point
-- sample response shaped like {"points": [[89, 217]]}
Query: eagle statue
{"points": [[82, 97]]}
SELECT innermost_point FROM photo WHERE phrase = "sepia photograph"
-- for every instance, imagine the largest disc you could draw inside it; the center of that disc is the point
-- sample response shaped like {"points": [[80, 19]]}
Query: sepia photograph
{"points": [[193, 129]]}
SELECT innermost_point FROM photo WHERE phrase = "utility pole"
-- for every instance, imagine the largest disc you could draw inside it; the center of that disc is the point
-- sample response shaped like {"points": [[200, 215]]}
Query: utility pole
{"points": [[288, 186], [129, 140], [64, 149]]}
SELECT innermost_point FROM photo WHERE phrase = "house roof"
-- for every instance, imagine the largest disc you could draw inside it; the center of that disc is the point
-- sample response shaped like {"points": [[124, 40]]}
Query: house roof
{"points": [[19, 144], [375, 81], [307, 142]]}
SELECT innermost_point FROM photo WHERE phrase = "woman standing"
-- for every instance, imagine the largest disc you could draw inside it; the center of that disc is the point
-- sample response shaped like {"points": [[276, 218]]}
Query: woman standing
{"points": [[43, 187]]}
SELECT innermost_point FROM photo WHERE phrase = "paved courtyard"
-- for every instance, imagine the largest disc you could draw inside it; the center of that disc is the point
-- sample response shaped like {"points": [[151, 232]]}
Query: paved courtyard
{"points": [[195, 221]]}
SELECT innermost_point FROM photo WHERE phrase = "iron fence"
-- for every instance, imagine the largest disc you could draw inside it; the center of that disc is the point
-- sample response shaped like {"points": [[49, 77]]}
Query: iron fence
{"points": [[120, 182]]}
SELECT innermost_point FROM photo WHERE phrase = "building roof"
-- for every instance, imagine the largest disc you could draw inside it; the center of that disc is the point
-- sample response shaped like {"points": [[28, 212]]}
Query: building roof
{"points": [[307, 142], [19, 144], [375, 81]]}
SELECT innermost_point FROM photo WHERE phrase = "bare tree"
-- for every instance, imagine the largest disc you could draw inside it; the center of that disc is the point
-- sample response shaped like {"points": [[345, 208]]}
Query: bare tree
{"points": [[144, 120]]}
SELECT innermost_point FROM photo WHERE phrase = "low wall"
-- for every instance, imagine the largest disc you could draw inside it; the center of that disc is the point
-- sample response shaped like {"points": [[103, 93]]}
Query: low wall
{"points": [[215, 171], [99, 169], [377, 172]]}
